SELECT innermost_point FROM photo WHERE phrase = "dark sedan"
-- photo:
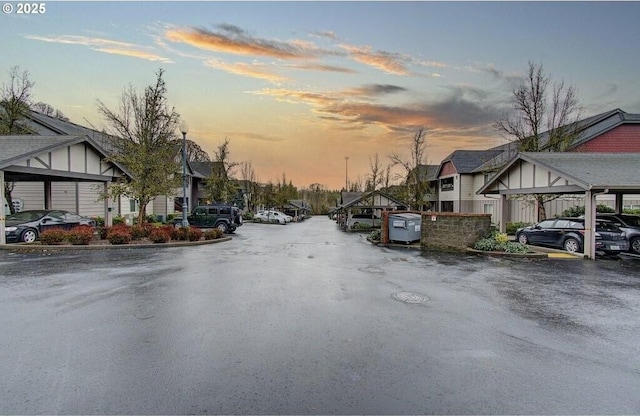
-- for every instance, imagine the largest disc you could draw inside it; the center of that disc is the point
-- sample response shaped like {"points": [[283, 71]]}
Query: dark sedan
{"points": [[568, 234], [26, 226], [628, 223]]}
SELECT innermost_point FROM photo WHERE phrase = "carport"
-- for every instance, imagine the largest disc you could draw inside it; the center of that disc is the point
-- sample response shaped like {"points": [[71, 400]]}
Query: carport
{"points": [[54, 158], [591, 174]]}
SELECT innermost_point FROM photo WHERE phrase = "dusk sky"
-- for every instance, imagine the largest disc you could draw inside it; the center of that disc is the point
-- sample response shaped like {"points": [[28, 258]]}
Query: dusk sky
{"points": [[298, 86]]}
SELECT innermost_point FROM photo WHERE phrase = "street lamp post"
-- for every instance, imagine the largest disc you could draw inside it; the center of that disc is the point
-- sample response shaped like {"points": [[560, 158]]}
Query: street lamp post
{"points": [[346, 173], [184, 128]]}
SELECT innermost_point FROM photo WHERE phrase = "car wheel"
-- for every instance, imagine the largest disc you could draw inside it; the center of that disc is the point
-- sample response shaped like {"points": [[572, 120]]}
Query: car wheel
{"points": [[634, 245], [523, 239], [572, 245], [29, 236], [222, 227]]}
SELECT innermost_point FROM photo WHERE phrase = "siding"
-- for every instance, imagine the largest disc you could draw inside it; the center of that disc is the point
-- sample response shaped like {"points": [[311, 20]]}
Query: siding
{"points": [[624, 138]]}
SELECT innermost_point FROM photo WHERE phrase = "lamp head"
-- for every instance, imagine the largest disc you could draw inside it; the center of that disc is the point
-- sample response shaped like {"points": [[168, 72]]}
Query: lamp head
{"points": [[184, 127]]}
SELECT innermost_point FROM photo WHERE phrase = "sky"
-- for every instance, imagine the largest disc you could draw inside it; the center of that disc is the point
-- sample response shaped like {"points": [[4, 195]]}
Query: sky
{"points": [[299, 87]]}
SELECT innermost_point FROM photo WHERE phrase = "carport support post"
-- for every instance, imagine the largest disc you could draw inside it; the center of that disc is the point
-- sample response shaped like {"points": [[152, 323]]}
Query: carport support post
{"points": [[2, 213], [503, 209], [589, 225]]}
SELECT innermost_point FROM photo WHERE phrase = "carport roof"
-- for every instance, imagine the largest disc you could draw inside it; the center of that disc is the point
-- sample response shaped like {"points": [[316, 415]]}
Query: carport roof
{"points": [[586, 171]]}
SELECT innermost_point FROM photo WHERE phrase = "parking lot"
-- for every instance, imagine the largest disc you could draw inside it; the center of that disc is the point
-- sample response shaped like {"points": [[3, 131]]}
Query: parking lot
{"points": [[306, 319]]}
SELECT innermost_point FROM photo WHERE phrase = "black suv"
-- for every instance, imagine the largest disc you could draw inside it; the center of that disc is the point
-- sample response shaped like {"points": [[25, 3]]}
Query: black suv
{"points": [[223, 217], [568, 233], [628, 223]]}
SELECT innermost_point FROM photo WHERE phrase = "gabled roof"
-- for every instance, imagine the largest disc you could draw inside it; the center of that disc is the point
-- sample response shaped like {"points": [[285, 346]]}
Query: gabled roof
{"points": [[205, 169], [366, 195], [588, 171], [347, 197], [14, 149], [46, 125], [589, 128], [466, 161], [428, 172]]}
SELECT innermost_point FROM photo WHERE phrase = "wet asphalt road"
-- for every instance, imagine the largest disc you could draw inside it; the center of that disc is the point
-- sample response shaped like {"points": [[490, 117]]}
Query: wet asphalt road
{"points": [[306, 319]]}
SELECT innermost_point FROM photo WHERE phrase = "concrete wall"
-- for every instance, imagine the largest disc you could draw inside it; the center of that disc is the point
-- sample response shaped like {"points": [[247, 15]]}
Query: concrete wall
{"points": [[451, 231]]}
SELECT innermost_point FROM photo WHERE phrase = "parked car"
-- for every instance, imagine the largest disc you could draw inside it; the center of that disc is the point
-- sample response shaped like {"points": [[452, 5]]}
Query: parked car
{"points": [[628, 223], [26, 226], [568, 234], [270, 216], [372, 220], [287, 218], [226, 218]]}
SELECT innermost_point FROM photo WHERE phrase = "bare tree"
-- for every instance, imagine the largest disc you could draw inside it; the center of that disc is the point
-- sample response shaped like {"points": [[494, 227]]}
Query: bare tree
{"points": [[543, 119], [48, 110], [375, 178], [15, 102], [195, 152], [250, 187], [219, 185], [143, 131], [416, 188]]}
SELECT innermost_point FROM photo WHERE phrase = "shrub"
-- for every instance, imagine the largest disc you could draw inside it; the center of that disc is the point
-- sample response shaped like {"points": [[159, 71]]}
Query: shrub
{"points": [[181, 233], [159, 235], [512, 227], [102, 232], [213, 234], [99, 221], [375, 235], [579, 210], [80, 235], [170, 218], [500, 242], [119, 234], [139, 232], [53, 236], [119, 220], [195, 234], [248, 216]]}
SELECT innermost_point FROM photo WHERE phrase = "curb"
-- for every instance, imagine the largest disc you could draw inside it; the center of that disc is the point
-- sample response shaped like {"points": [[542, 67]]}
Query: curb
{"points": [[37, 247]]}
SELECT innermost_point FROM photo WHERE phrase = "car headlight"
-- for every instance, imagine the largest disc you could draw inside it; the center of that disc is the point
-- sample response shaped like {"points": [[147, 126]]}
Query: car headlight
{"points": [[10, 229]]}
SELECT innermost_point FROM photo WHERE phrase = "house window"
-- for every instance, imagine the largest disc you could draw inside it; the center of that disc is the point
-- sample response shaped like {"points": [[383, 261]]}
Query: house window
{"points": [[488, 209], [132, 205], [446, 206], [446, 184]]}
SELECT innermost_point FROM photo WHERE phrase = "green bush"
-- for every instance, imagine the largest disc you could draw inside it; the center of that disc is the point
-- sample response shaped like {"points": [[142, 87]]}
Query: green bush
{"points": [[631, 211], [99, 221], [170, 218], [376, 235], [247, 216], [512, 227], [102, 232], [80, 235], [579, 210], [119, 234], [53, 236], [119, 220], [213, 234], [498, 242]]}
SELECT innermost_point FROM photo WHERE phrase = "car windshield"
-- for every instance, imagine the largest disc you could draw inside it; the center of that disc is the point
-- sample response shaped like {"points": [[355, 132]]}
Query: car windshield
{"points": [[26, 216]]}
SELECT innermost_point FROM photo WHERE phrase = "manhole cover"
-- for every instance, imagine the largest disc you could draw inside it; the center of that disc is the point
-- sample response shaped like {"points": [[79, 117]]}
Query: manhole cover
{"points": [[410, 297], [371, 269]]}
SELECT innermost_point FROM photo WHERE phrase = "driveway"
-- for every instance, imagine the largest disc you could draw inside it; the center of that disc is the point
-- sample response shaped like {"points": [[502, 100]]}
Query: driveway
{"points": [[306, 319]]}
